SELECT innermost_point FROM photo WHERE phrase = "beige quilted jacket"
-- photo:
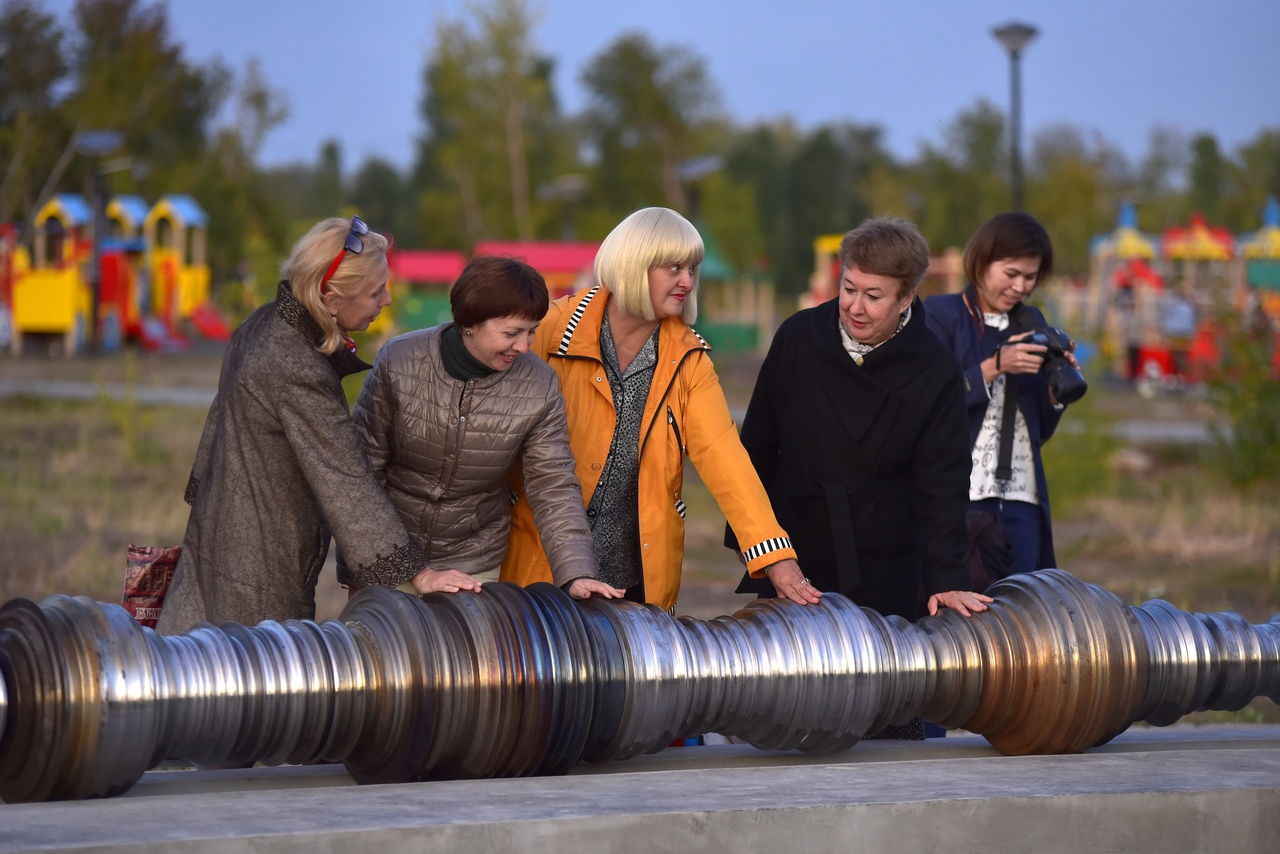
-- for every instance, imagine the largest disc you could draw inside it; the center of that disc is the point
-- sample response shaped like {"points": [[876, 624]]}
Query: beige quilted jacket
{"points": [[445, 450]]}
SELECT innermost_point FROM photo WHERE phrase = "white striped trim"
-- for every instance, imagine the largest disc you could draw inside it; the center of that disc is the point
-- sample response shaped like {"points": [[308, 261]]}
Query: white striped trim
{"points": [[515, 498], [700, 338], [563, 349], [772, 544], [680, 508]]}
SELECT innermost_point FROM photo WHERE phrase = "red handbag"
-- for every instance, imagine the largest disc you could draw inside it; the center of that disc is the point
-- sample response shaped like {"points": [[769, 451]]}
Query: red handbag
{"points": [[147, 574]]}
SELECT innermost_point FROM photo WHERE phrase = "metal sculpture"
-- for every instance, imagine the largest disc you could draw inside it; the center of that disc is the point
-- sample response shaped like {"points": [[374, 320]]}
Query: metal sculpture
{"points": [[516, 681]]}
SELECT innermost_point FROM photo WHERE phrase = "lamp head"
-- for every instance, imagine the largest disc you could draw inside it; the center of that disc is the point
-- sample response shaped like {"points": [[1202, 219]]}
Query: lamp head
{"points": [[1015, 36]]}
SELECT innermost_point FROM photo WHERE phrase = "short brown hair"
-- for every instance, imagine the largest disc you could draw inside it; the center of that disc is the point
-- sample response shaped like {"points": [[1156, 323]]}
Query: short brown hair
{"points": [[884, 246], [490, 287], [1008, 235]]}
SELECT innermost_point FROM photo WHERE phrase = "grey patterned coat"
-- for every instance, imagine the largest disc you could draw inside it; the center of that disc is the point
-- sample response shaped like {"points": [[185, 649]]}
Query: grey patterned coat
{"points": [[445, 449], [279, 468]]}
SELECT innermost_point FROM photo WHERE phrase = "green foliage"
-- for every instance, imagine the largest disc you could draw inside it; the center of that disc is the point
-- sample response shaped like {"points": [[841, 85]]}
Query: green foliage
{"points": [[1245, 392], [1069, 193], [646, 103], [1207, 177], [491, 117], [31, 68]]}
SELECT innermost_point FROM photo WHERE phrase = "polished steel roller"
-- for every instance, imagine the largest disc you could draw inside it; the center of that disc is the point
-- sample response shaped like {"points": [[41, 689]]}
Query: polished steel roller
{"points": [[516, 681]]}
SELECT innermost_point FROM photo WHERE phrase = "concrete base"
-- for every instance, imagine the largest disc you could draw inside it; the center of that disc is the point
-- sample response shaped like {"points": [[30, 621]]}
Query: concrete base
{"points": [[1186, 788]]}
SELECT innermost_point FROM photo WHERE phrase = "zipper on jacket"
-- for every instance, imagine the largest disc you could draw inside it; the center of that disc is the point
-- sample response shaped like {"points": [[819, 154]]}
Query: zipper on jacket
{"points": [[675, 428], [666, 391]]}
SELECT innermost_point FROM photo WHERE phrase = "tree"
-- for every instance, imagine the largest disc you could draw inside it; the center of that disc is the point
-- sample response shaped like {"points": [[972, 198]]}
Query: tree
{"points": [[646, 107], [327, 194], [1253, 175], [1071, 195], [379, 194], [962, 184], [1207, 174], [488, 105], [31, 67], [130, 75]]}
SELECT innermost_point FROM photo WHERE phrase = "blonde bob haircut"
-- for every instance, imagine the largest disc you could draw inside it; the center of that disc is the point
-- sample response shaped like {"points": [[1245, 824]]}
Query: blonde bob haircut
{"points": [[650, 237], [312, 255]]}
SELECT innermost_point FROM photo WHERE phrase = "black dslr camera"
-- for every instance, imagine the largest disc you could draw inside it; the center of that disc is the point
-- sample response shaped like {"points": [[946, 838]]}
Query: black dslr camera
{"points": [[1065, 381]]}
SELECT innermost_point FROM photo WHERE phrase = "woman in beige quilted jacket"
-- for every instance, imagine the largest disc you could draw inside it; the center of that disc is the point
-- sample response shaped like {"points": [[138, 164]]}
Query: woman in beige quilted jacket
{"points": [[447, 413]]}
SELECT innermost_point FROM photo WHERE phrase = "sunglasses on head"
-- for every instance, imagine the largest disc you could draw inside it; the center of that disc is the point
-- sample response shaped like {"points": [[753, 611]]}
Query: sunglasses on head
{"points": [[352, 244]]}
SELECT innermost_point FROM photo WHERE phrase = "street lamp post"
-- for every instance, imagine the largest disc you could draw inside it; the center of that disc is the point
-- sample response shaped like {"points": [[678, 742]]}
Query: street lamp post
{"points": [[1015, 36]]}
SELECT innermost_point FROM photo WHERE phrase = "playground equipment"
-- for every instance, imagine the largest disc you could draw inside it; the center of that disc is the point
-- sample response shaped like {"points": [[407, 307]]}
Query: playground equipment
{"points": [[527, 681], [421, 279], [1148, 297], [123, 295], [180, 277], [53, 297], [1260, 252], [736, 313], [13, 259], [152, 276]]}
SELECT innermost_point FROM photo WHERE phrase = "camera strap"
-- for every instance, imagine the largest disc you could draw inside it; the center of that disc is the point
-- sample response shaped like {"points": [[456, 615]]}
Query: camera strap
{"points": [[1008, 414]]}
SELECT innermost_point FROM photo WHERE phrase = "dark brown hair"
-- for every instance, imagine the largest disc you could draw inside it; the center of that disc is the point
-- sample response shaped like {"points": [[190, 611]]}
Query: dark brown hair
{"points": [[492, 287], [887, 247], [1008, 235]]}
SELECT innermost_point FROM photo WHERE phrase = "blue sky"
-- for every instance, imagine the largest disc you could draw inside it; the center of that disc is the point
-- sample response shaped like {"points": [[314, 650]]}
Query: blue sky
{"points": [[353, 70]]}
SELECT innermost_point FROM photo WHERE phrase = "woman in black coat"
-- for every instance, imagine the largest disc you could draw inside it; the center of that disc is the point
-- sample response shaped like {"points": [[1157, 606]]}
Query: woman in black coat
{"points": [[986, 327], [857, 429]]}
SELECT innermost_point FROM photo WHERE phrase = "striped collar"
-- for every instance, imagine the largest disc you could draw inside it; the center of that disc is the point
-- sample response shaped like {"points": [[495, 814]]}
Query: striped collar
{"points": [[581, 333]]}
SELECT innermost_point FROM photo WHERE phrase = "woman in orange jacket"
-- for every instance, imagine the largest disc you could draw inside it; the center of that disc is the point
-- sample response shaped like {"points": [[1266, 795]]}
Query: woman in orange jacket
{"points": [[642, 395]]}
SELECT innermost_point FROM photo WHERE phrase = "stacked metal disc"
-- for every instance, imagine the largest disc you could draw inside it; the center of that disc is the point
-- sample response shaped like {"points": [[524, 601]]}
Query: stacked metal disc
{"points": [[515, 681]]}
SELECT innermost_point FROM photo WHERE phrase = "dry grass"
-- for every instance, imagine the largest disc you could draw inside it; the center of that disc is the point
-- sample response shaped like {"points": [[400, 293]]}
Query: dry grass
{"points": [[79, 482]]}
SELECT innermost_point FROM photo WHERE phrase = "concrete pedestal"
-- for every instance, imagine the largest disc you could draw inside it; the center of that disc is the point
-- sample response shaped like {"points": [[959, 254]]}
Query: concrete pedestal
{"points": [[1205, 789]]}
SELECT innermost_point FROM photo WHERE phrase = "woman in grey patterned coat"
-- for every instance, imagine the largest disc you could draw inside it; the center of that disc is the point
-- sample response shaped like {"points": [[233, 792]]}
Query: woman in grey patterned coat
{"points": [[279, 467], [447, 414]]}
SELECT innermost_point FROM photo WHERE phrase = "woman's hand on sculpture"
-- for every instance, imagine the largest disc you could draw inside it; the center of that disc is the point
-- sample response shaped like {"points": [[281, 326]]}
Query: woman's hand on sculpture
{"points": [[964, 601], [444, 581], [585, 588], [790, 582]]}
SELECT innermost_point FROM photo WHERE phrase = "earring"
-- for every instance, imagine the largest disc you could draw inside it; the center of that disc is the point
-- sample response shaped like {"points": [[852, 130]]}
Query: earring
{"points": [[468, 333]]}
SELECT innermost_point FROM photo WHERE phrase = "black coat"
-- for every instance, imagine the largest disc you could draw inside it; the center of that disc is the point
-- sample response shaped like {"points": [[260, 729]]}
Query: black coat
{"points": [[867, 466]]}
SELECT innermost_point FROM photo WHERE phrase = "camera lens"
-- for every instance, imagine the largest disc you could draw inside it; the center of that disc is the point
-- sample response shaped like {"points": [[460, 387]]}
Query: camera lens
{"points": [[1065, 381]]}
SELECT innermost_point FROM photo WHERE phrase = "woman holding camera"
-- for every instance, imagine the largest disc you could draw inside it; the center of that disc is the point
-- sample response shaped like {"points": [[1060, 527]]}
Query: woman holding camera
{"points": [[1012, 406]]}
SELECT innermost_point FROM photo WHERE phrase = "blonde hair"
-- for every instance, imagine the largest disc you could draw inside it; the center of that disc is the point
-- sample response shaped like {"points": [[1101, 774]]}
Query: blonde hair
{"points": [[311, 257], [646, 239]]}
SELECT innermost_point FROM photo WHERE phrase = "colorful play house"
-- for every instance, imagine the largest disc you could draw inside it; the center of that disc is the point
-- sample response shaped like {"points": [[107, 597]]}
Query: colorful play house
{"points": [[53, 297], [123, 297], [174, 230], [421, 279]]}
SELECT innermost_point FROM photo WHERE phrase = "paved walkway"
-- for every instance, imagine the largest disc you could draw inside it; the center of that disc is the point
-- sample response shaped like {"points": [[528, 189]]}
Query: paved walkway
{"points": [[1168, 432]]}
